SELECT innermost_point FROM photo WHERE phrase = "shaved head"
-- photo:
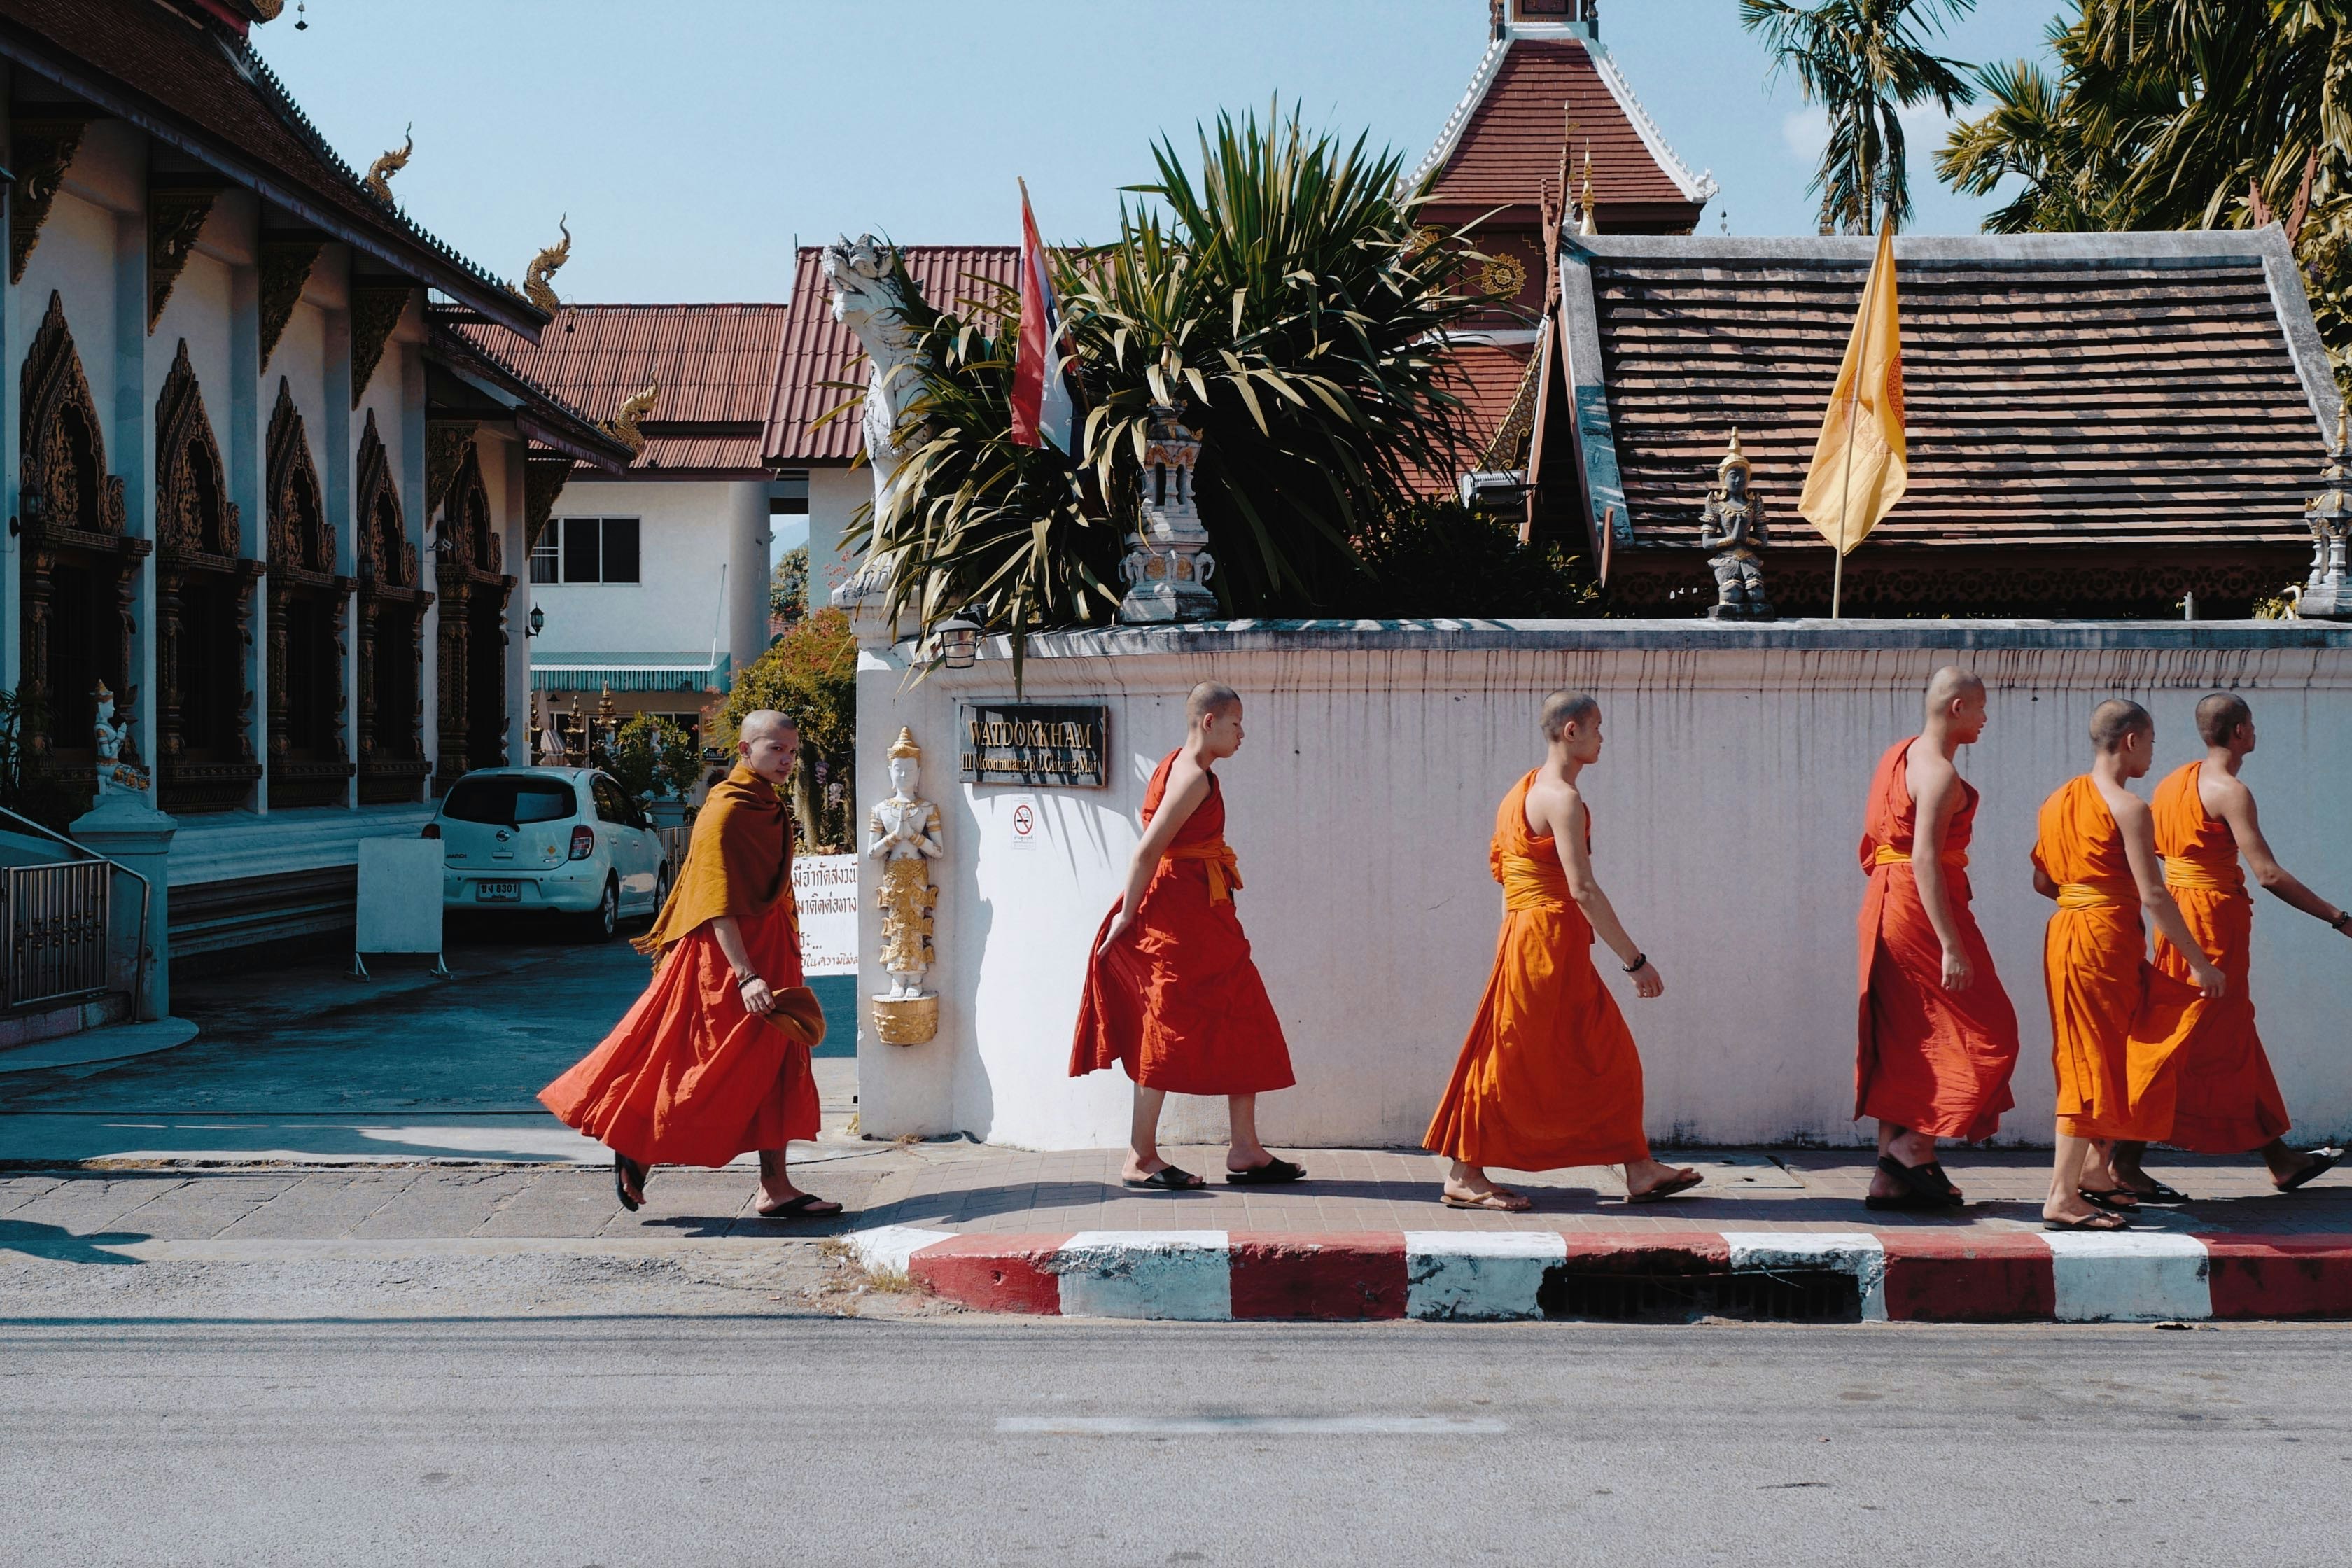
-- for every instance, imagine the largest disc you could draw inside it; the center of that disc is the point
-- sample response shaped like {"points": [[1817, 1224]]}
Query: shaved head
{"points": [[2116, 721], [2218, 716], [1562, 708], [764, 721], [1208, 697], [1949, 685]]}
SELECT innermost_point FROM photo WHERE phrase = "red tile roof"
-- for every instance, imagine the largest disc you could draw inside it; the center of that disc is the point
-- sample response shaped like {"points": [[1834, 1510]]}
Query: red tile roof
{"points": [[717, 365], [820, 353], [1502, 144], [196, 82]]}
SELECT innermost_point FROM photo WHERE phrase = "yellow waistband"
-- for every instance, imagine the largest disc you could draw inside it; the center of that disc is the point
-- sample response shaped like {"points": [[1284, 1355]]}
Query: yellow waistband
{"points": [[2097, 895], [1957, 859], [1216, 858], [2179, 871], [1529, 884]]}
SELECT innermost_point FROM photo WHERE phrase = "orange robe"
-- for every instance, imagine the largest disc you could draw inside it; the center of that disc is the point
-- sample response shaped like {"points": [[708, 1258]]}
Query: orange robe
{"points": [[2117, 1025], [2228, 1101], [690, 1076], [1178, 1002], [1549, 1076], [1933, 1061]]}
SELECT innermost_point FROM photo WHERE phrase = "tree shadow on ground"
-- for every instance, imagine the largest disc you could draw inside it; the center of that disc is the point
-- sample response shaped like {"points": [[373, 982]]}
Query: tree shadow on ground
{"points": [[64, 1245]]}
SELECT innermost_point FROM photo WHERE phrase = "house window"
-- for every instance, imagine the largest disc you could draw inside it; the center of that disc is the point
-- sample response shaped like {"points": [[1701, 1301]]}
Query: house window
{"points": [[597, 550], [546, 558]]}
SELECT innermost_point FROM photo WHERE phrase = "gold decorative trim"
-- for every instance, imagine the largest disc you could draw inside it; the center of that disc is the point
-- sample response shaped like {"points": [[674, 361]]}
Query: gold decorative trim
{"points": [[543, 479], [446, 442], [906, 1020], [624, 423], [376, 310], [1504, 276], [43, 150], [544, 265], [378, 182], [176, 217], [193, 516]]}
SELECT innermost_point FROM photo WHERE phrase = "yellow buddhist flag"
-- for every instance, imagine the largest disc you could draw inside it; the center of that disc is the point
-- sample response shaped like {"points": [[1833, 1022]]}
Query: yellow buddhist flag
{"points": [[1861, 464]]}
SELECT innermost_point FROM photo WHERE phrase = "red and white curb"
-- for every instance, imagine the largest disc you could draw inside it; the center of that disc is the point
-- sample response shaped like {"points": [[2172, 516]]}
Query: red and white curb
{"points": [[1940, 1276]]}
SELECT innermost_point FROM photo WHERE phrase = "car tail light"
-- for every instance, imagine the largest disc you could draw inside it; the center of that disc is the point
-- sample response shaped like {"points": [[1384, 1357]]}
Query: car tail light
{"points": [[432, 830], [583, 842]]}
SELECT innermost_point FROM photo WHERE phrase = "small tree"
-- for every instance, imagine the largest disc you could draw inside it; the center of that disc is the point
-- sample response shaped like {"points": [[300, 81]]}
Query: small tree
{"points": [[652, 758], [811, 673], [788, 596]]}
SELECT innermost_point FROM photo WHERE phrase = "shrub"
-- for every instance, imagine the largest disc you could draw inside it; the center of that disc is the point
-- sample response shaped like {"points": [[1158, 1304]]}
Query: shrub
{"points": [[652, 758], [1440, 559], [811, 673]]}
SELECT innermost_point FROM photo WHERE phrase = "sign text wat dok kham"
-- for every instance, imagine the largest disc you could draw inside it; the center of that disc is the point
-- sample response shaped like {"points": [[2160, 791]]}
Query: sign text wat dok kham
{"points": [[1033, 743]]}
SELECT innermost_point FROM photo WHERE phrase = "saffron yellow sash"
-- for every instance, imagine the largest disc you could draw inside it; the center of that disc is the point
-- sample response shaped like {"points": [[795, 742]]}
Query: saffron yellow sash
{"points": [[1957, 859], [1529, 884], [2179, 871], [1216, 858], [2097, 895]]}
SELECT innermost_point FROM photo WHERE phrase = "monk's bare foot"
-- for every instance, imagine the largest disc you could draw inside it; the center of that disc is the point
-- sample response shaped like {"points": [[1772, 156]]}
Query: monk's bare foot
{"points": [[1486, 1195], [1653, 1179], [633, 1178]]}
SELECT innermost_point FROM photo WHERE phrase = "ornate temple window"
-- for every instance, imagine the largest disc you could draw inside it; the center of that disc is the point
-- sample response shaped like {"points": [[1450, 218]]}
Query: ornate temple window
{"points": [[468, 568], [308, 758], [78, 582], [203, 603], [392, 764]]}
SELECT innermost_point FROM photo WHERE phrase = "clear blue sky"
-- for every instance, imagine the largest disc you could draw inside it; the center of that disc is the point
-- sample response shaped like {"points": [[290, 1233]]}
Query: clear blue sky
{"points": [[692, 139]]}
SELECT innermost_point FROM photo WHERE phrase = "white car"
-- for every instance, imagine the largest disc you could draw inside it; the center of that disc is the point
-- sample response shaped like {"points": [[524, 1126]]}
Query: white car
{"points": [[563, 839]]}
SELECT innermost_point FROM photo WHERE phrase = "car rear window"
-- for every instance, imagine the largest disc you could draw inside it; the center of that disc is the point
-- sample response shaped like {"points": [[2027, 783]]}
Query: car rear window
{"points": [[510, 802]]}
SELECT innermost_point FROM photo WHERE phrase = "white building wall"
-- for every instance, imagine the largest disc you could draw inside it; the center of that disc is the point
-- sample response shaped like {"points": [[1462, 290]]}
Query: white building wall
{"points": [[692, 543], [1727, 811], [834, 495]]}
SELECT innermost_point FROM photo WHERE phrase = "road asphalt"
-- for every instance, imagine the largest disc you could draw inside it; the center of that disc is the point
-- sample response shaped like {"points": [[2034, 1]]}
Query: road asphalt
{"points": [[626, 1435]]}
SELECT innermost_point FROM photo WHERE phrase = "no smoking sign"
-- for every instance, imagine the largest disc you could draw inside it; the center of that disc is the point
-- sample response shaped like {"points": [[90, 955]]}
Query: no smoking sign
{"points": [[1024, 823]]}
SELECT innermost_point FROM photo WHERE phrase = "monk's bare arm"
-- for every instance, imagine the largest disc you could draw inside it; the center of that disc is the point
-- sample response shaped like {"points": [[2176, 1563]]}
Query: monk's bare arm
{"points": [[1565, 817], [2139, 829], [1939, 798], [757, 998], [1185, 795], [2237, 804]]}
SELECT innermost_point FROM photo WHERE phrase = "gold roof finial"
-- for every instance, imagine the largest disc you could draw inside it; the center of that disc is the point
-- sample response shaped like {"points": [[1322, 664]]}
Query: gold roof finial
{"points": [[380, 172], [904, 746], [1584, 202], [625, 423], [544, 265]]}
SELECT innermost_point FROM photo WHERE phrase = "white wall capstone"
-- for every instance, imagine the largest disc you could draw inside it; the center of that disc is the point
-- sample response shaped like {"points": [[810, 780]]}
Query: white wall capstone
{"points": [[1726, 810]]}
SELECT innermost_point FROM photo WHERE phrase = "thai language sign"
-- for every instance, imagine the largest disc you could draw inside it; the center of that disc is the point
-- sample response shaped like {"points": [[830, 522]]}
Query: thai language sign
{"points": [[1036, 743], [825, 889]]}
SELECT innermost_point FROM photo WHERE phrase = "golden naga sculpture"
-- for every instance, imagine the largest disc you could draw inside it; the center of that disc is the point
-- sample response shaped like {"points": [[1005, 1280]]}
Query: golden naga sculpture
{"points": [[625, 423], [380, 172], [903, 832], [544, 265]]}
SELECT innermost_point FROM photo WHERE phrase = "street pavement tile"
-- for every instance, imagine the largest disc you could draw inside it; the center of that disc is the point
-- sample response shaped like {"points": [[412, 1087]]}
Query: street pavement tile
{"points": [[205, 1205], [555, 1202], [16, 1192], [324, 1205], [447, 1203], [86, 1204]]}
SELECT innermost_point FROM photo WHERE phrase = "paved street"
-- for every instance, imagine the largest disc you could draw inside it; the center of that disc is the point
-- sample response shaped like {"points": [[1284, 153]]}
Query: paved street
{"points": [[615, 1437]]}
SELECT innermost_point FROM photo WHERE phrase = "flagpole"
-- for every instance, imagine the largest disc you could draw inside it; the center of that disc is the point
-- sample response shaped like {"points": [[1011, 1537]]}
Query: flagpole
{"points": [[1845, 496]]}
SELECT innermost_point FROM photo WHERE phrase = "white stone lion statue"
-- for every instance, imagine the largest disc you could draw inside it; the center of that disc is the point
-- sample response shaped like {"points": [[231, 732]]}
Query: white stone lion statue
{"points": [[869, 297]]}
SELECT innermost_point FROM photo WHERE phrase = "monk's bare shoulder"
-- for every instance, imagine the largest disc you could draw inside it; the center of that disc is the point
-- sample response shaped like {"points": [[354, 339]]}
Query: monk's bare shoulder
{"points": [[1932, 774], [2130, 811], [2223, 791]]}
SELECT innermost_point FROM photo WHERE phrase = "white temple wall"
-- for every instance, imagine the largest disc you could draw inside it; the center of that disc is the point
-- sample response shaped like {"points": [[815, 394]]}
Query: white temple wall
{"points": [[834, 495], [1727, 811], [694, 548]]}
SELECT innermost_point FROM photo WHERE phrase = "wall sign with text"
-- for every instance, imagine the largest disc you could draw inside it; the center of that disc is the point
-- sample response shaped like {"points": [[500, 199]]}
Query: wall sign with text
{"points": [[1036, 743]]}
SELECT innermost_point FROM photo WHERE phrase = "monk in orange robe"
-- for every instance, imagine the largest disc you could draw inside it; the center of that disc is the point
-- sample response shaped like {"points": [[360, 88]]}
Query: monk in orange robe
{"points": [[1171, 994], [1938, 1037], [713, 1059], [2116, 1025], [1549, 1077], [2205, 819]]}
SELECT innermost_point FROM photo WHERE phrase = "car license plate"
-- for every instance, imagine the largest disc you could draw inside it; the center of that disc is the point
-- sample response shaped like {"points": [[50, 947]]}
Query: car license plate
{"points": [[498, 892]]}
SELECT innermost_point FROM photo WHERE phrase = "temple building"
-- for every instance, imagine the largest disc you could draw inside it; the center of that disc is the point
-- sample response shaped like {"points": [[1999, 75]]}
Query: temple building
{"points": [[653, 581], [258, 492]]}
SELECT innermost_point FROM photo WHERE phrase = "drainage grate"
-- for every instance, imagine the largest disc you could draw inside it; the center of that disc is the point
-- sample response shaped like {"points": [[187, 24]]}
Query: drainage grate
{"points": [[1783, 1295]]}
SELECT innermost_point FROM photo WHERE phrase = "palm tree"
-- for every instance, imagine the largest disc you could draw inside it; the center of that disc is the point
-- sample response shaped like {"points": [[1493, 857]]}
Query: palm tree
{"points": [[1862, 61], [1283, 300]]}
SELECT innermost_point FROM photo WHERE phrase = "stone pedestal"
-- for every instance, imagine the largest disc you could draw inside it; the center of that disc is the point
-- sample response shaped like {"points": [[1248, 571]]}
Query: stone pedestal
{"points": [[126, 829]]}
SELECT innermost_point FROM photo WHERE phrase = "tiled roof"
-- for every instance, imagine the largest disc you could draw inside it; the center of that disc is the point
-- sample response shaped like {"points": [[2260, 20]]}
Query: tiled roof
{"points": [[819, 351], [200, 83], [1502, 144], [2120, 390], [717, 365], [459, 339]]}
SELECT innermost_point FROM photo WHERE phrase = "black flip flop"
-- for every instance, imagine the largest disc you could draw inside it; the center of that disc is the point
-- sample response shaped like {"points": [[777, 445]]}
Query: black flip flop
{"points": [[808, 1205], [2110, 1201], [1926, 1182], [2161, 1194], [624, 1171], [1272, 1172], [2320, 1166], [2091, 1222], [1666, 1190], [1910, 1201], [1169, 1177]]}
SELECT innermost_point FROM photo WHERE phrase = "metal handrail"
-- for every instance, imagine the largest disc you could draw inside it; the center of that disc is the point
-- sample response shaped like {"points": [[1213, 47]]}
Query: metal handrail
{"points": [[146, 899]]}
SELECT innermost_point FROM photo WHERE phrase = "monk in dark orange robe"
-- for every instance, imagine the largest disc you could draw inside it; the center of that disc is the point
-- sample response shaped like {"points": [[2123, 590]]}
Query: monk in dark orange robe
{"points": [[1549, 1077], [1172, 994], [2205, 819], [1938, 1037], [2117, 1025], [713, 1059]]}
